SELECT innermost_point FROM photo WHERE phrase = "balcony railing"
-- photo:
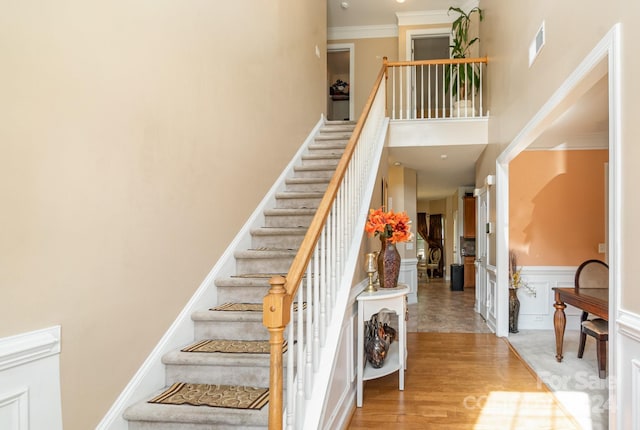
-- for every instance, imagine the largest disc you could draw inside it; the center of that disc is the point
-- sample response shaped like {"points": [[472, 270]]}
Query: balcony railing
{"points": [[434, 89]]}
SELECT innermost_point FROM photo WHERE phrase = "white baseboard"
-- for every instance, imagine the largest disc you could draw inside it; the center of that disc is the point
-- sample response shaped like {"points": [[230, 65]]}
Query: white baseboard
{"points": [[30, 381]]}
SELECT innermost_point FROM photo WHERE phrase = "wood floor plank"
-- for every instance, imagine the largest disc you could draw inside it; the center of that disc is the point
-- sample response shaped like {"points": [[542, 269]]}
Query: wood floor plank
{"points": [[460, 381]]}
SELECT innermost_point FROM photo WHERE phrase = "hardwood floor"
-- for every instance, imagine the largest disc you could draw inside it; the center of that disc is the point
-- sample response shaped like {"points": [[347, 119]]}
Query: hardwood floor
{"points": [[441, 310], [458, 380]]}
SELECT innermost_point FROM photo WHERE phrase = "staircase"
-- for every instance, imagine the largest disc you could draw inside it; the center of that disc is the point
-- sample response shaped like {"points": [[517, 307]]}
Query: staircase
{"points": [[273, 247]]}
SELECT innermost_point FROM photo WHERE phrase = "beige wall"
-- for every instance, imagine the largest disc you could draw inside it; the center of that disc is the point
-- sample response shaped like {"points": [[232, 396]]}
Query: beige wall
{"points": [[402, 191], [128, 129], [368, 62], [557, 206], [516, 92]]}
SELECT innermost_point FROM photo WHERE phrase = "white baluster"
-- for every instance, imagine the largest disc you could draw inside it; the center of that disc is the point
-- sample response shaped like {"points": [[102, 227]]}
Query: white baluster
{"points": [[308, 341], [291, 406], [393, 93], [316, 310], [299, 354]]}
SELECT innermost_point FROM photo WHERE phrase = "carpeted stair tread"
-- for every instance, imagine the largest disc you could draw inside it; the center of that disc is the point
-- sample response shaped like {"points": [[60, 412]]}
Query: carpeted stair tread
{"points": [[299, 181], [315, 167], [290, 211], [299, 194], [266, 253], [246, 307], [268, 231], [245, 316], [230, 346], [332, 157], [225, 359], [218, 396], [210, 418]]}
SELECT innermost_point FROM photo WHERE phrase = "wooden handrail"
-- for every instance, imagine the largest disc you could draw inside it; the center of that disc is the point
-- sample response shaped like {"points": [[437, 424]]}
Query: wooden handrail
{"points": [[277, 302], [483, 60]]}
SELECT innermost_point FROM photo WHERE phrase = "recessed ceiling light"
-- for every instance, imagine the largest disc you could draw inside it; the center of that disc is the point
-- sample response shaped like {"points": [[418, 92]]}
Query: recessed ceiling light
{"points": [[444, 156], [400, 1], [397, 163], [344, 5]]}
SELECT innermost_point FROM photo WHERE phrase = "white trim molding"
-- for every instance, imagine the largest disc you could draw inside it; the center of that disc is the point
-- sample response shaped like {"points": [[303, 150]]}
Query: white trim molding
{"points": [[426, 17], [629, 325], [23, 348], [362, 32]]}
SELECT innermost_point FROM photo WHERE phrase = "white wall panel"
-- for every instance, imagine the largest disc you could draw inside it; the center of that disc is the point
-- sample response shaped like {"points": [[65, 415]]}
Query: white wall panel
{"points": [[30, 381]]}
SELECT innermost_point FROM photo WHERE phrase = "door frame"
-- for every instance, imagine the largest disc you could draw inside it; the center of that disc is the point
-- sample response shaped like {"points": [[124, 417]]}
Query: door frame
{"points": [[604, 59], [413, 34], [483, 297], [351, 47]]}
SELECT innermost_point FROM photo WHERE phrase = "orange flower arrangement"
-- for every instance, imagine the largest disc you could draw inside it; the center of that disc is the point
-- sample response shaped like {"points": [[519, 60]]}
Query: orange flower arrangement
{"points": [[394, 227]]}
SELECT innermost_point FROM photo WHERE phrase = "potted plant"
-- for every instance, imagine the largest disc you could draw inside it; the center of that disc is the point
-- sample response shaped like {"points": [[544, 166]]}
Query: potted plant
{"points": [[461, 79]]}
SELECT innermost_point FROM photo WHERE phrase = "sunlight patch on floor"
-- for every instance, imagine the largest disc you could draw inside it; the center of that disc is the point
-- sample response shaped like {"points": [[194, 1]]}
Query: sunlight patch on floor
{"points": [[523, 410]]}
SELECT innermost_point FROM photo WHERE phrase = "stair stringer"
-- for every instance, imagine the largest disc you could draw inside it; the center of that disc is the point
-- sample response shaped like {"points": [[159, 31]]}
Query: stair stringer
{"points": [[316, 408], [150, 377]]}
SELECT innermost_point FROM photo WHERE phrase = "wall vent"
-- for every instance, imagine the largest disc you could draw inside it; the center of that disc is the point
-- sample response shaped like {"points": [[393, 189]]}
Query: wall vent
{"points": [[536, 44]]}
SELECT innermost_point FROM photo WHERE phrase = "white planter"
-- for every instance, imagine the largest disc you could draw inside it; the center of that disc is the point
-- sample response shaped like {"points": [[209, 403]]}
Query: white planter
{"points": [[463, 108]]}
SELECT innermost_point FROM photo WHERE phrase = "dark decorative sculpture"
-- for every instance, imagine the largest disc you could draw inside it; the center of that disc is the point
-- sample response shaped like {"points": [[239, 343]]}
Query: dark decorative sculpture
{"points": [[378, 337]]}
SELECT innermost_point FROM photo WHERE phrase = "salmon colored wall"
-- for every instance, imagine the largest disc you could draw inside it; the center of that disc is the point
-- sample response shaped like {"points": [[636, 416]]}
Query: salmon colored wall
{"points": [[557, 206]]}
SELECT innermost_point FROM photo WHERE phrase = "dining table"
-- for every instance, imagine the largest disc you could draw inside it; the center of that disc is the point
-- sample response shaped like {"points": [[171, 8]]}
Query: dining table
{"points": [[592, 300]]}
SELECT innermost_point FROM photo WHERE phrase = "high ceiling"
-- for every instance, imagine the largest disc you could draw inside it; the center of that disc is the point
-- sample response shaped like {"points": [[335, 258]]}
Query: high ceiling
{"points": [[584, 123], [378, 12]]}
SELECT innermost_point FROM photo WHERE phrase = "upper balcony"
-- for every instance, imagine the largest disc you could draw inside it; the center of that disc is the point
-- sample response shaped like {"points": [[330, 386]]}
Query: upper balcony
{"points": [[436, 102]]}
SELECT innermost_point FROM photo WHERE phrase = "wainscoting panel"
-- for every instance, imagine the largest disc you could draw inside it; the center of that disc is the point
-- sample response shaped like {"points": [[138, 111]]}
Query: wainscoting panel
{"points": [[342, 390], [491, 299], [409, 276], [536, 308], [30, 381], [627, 381]]}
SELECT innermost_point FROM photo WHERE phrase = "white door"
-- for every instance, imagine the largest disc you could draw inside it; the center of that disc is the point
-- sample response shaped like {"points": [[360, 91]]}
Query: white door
{"points": [[483, 295]]}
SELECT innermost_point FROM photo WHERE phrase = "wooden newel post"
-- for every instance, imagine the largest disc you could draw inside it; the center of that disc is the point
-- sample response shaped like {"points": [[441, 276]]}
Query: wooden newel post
{"points": [[275, 316]]}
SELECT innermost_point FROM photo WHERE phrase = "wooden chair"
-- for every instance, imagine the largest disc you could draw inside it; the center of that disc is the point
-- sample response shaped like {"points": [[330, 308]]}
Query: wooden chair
{"points": [[422, 267], [434, 260], [594, 274]]}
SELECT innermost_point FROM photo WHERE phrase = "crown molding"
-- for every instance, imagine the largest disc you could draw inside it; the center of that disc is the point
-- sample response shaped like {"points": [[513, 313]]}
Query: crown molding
{"points": [[362, 32], [426, 17]]}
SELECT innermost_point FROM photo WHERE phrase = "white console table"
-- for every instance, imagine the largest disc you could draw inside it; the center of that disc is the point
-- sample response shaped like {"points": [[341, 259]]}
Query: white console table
{"points": [[392, 299]]}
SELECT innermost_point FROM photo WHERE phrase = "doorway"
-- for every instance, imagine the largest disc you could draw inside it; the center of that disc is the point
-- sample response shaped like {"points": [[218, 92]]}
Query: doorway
{"points": [[340, 82], [601, 63]]}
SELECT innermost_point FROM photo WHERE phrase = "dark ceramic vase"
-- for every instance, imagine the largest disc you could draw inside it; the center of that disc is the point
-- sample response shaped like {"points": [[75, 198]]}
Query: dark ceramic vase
{"points": [[376, 345], [514, 310], [388, 264]]}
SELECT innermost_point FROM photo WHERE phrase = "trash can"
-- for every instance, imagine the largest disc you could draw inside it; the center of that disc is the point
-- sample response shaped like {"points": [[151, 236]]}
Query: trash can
{"points": [[457, 277]]}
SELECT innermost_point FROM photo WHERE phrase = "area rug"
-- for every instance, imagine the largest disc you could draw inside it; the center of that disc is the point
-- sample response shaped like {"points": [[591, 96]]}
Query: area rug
{"points": [[217, 396], [232, 346], [250, 307], [574, 381]]}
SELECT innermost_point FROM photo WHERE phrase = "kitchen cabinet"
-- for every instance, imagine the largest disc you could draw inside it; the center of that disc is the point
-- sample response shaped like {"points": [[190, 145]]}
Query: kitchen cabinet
{"points": [[469, 272], [469, 217]]}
